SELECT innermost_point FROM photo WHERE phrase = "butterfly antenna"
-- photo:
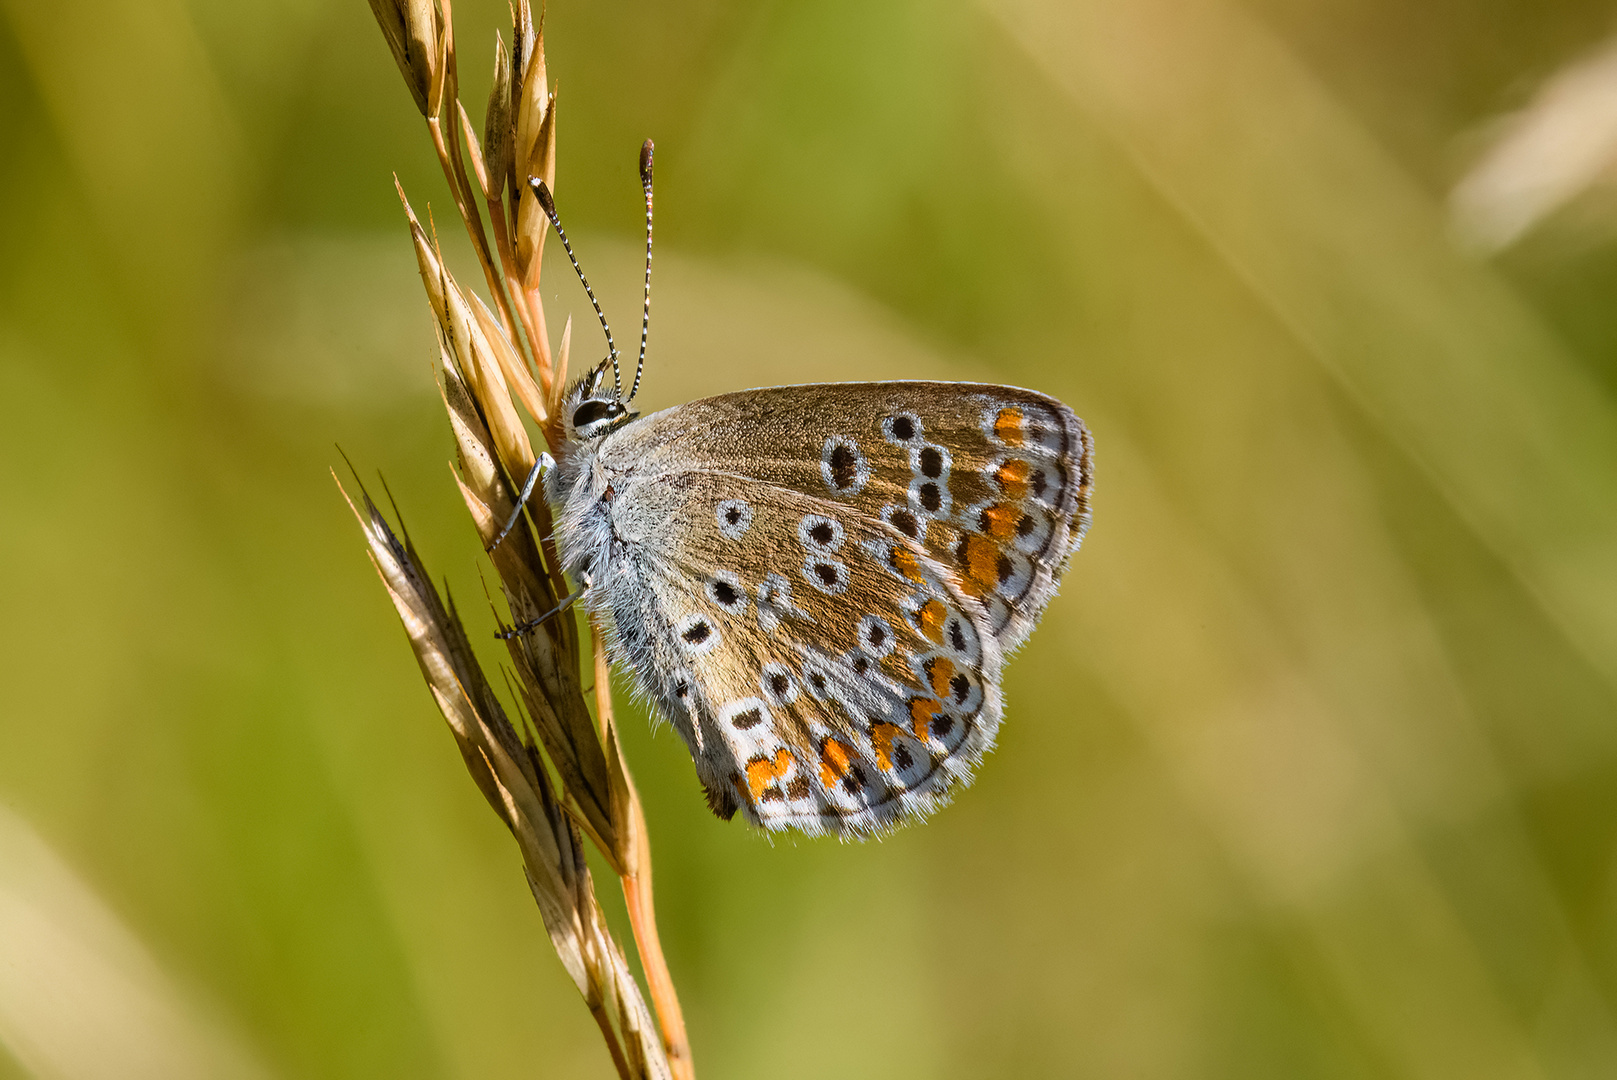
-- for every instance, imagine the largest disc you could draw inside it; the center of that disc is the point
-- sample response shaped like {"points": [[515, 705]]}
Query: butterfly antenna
{"points": [[645, 312], [548, 205]]}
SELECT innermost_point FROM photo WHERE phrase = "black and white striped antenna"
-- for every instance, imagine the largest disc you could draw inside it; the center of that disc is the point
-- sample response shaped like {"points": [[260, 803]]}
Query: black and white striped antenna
{"points": [[548, 205], [645, 313]]}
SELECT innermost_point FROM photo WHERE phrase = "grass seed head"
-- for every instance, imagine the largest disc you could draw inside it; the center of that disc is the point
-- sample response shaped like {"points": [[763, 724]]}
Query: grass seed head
{"points": [[535, 159], [473, 354], [498, 135], [412, 38], [531, 97], [486, 375], [516, 373], [474, 150]]}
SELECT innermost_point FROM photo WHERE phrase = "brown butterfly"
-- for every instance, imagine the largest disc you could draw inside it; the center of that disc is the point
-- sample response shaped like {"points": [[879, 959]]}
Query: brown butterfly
{"points": [[817, 586]]}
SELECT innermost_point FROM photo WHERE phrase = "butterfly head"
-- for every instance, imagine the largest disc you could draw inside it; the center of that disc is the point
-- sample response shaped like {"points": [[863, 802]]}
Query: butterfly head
{"points": [[592, 407]]}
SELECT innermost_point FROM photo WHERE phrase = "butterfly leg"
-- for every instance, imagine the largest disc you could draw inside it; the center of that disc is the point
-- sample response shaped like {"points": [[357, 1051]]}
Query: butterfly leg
{"points": [[534, 623], [540, 467]]}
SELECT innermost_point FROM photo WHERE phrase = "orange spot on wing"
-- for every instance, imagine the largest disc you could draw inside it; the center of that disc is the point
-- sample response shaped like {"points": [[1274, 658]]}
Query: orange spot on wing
{"points": [[834, 758], [1000, 520], [1012, 477], [939, 671], [1008, 427], [981, 558], [932, 616], [922, 710], [904, 562], [881, 737], [761, 772]]}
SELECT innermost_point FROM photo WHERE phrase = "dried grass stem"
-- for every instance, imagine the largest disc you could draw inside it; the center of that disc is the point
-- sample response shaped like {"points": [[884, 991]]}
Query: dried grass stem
{"points": [[560, 775]]}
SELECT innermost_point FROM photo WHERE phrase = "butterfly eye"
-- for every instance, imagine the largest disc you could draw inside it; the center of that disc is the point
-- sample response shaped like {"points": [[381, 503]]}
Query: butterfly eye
{"points": [[595, 416]]}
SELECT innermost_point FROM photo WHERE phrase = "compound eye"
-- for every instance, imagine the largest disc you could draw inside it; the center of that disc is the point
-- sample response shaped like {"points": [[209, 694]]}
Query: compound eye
{"points": [[593, 412]]}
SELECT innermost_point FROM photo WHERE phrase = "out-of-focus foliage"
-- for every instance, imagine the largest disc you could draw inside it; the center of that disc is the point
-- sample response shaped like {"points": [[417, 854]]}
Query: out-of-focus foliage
{"points": [[1311, 771]]}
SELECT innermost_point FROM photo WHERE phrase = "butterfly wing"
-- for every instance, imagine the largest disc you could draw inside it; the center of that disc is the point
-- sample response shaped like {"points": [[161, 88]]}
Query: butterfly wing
{"points": [[826, 674], [816, 584], [992, 482]]}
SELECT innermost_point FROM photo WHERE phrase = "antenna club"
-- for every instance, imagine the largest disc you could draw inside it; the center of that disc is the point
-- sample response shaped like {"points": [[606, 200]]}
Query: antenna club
{"points": [[645, 163], [542, 193]]}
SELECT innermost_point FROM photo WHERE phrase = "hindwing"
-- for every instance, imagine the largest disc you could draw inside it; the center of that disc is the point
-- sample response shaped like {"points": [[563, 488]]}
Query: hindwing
{"points": [[825, 674]]}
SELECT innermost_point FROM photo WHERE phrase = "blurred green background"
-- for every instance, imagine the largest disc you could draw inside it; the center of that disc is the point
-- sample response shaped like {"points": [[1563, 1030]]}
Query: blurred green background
{"points": [[1310, 772]]}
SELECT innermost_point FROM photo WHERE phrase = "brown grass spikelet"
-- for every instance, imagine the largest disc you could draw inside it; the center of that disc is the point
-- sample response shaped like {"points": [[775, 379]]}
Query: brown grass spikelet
{"points": [[534, 155], [560, 776], [412, 29], [497, 123], [510, 772]]}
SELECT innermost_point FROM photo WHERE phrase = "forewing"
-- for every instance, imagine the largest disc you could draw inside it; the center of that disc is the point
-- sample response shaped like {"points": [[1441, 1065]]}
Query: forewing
{"points": [[991, 482], [826, 673]]}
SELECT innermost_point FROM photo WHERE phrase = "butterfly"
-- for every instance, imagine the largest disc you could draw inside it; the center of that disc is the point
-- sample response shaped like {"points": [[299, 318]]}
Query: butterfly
{"points": [[817, 586]]}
